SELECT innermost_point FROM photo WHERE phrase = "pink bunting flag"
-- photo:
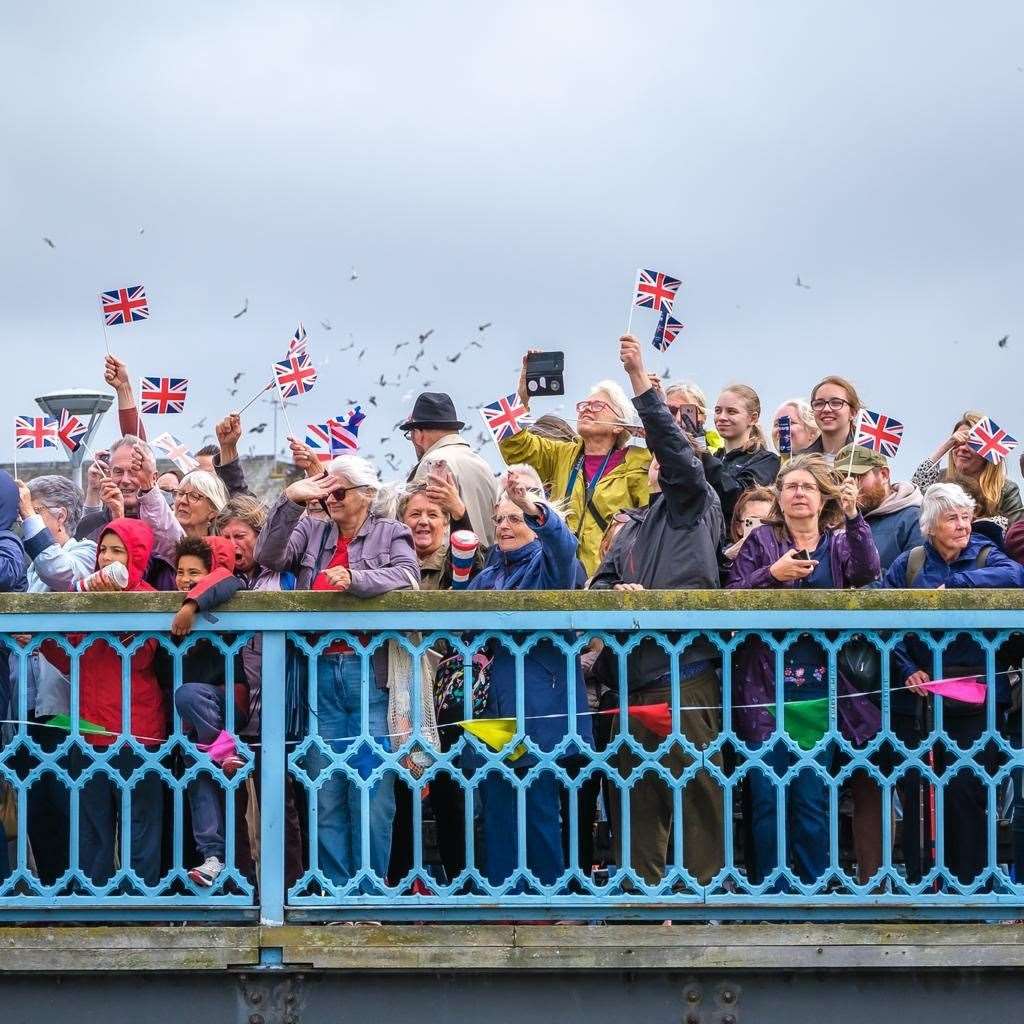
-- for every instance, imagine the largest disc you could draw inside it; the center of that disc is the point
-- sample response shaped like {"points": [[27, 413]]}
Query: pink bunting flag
{"points": [[968, 689], [221, 748]]}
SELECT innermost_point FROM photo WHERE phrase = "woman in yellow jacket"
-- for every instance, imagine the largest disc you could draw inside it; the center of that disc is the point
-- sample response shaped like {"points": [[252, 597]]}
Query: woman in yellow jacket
{"points": [[597, 474]]}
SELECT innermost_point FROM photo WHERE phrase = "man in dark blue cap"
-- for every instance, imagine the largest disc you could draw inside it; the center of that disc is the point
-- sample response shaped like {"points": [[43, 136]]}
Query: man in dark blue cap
{"points": [[433, 428]]}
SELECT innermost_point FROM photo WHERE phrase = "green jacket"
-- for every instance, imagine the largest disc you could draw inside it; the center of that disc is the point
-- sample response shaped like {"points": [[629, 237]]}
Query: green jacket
{"points": [[623, 487]]}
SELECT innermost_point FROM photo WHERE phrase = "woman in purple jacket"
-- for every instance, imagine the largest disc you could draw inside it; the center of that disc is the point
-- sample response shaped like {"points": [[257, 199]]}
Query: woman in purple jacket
{"points": [[360, 553], [800, 546]]}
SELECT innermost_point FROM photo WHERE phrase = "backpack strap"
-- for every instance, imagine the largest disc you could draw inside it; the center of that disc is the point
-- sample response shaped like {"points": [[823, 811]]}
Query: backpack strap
{"points": [[915, 563], [981, 558]]}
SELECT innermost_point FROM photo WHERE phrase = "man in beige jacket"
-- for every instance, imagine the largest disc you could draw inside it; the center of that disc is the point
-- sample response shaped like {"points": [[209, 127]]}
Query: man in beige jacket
{"points": [[433, 430]]}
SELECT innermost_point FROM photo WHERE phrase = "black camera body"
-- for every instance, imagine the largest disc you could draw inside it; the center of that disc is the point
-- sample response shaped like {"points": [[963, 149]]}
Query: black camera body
{"points": [[544, 374]]}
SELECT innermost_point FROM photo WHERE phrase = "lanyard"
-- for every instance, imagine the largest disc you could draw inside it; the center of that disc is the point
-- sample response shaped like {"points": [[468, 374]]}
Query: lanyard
{"points": [[588, 489]]}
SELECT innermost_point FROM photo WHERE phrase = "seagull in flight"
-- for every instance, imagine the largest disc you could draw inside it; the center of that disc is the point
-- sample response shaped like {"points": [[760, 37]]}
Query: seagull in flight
{"points": [[238, 376], [242, 311], [362, 352], [258, 429], [800, 283], [425, 335], [455, 358], [401, 345], [1003, 340], [49, 242], [353, 276], [232, 392], [372, 400], [483, 327], [200, 424], [326, 325]]}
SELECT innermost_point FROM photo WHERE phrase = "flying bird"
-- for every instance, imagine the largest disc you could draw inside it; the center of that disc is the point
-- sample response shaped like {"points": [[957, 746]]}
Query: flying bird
{"points": [[362, 352], [258, 429], [232, 392], [455, 358], [345, 348], [382, 382], [372, 399], [474, 344], [437, 369], [390, 460], [400, 345], [411, 367], [238, 376], [483, 327], [353, 276], [481, 438], [666, 375], [326, 325], [142, 231], [800, 283], [351, 401], [425, 335], [1003, 340], [242, 311], [386, 437], [200, 424], [49, 242]]}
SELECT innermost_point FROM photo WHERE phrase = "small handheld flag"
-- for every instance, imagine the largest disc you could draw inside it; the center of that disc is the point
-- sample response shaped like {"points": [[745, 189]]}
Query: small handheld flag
{"points": [[655, 291], [298, 344], [124, 305], [177, 452], [667, 331], [318, 441], [295, 375], [71, 431], [879, 432], [990, 441], [464, 544], [503, 417], [344, 431], [160, 395], [34, 432]]}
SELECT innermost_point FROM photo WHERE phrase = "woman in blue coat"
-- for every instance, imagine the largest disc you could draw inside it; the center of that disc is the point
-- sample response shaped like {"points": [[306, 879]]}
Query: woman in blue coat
{"points": [[533, 550]]}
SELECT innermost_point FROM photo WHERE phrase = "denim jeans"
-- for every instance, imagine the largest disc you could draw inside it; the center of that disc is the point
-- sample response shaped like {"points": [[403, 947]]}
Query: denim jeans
{"points": [[339, 815], [806, 810], [201, 707]]}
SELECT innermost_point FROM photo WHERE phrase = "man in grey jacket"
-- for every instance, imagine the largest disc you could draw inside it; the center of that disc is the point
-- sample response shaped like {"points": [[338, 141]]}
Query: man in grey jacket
{"points": [[433, 428]]}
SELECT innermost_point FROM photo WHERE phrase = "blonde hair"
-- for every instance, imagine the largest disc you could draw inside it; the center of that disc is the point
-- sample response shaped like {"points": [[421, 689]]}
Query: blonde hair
{"points": [[831, 513], [990, 480], [840, 382], [748, 396]]}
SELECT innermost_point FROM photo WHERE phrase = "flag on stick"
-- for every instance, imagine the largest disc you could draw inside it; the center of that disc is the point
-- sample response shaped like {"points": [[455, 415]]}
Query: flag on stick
{"points": [[879, 432], [503, 418], [124, 305], [295, 375], [160, 395], [990, 441], [35, 432], [298, 344], [344, 431], [71, 431], [667, 331], [655, 291], [318, 441], [177, 452]]}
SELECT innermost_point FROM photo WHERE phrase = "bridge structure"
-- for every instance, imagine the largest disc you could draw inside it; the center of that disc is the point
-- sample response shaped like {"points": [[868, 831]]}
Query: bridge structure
{"points": [[600, 940]]}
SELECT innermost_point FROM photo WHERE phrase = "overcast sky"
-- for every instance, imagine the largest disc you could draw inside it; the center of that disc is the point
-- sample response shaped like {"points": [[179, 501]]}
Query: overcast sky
{"points": [[515, 164]]}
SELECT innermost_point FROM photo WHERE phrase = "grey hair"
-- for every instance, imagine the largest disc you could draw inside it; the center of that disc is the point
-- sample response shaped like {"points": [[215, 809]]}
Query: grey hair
{"points": [[405, 495], [536, 488], [209, 485], [691, 390], [356, 470], [130, 441], [941, 498], [59, 492], [803, 410]]}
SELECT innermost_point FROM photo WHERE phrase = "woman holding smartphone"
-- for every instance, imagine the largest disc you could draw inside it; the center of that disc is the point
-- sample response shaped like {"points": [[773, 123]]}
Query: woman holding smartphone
{"points": [[799, 546]]}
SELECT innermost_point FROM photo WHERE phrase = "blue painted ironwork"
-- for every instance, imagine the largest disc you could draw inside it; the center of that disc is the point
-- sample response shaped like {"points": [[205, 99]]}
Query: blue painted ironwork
{"points": [[307, 761]]}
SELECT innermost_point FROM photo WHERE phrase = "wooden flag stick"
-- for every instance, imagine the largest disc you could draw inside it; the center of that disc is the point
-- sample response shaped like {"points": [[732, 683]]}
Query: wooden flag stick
{"points": [[853, 447], [632, 303], [262, 391]]}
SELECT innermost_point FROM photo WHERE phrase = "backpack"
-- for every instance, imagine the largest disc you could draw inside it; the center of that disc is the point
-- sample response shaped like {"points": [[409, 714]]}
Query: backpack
{"points": [[916, 562]]}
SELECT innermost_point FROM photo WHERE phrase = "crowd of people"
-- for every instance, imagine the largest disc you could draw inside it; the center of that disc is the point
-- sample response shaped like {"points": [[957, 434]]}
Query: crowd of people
{"points": [[657, 491]]}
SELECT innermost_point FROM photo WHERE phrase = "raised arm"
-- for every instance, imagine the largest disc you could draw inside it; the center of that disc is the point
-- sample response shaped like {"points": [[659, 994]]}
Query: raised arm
{"points": [[226, 463], [115, 373]]}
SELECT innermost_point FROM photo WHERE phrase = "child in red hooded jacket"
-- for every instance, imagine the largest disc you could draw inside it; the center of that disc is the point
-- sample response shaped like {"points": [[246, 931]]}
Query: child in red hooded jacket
{"points": [[205, 574], [129, 542]]}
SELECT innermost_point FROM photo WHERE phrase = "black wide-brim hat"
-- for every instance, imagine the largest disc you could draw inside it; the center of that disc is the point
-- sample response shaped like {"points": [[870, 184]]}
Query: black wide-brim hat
{"points": [[433, 409]]}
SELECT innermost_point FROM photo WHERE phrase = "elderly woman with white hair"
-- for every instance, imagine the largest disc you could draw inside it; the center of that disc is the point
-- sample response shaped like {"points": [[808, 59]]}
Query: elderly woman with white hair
{"points": [[358, 552], [954, 557], [595, 475]]}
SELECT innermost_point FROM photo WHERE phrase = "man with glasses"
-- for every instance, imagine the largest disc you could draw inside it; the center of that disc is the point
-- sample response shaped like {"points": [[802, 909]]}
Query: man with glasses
{"points": [[433, 429]]}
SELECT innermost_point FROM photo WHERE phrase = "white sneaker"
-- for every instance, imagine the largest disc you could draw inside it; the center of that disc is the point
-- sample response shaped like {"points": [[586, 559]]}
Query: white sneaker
{"points": [[207, 872]]}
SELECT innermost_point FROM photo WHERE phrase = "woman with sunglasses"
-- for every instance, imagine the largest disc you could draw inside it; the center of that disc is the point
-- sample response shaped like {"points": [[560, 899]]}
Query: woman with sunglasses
{"points": [[534, 549], [597, 473], [835, 404], [357, 552]]}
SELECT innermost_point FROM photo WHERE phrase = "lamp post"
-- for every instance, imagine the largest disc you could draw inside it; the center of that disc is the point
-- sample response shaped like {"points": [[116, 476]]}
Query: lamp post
{"points": [[82, 403]]}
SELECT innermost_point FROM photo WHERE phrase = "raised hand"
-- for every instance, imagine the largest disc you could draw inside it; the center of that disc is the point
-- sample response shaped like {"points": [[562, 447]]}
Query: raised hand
{"points": [[521, 389], [517, 487], [25, 507], [304, 457], [304, 491], [441, 487], [115, 373], [848, 492], [143, 467], [229, 433], [112, 498]]}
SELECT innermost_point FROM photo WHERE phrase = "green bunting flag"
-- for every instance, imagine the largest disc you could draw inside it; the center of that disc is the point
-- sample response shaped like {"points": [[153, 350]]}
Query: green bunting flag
{"points": [[84, 727], [806, 721]]}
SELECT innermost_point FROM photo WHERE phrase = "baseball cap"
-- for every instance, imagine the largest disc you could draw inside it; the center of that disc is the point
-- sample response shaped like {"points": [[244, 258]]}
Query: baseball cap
{"points": [[864, 460]]}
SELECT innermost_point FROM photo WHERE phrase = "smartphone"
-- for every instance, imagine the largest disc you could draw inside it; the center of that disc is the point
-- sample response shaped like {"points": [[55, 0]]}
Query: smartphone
{"points": [[544, 373], [784, 425], [690, 416], [802, 556]]}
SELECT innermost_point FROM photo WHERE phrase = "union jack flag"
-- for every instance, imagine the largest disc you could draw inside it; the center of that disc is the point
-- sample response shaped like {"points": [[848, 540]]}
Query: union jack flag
{"points": [[177, 452], [879, 432], [502, 417], [124, 305], [990, 441], [344, 431], [298, 343], [667, 331], [161, 395], [35, 432], [71, 431], [295, 375], [318, 441], [655, 291]]}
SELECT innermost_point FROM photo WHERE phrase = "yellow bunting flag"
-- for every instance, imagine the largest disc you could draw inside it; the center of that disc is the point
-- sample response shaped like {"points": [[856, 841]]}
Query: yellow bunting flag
{"points": [[497, 733]]}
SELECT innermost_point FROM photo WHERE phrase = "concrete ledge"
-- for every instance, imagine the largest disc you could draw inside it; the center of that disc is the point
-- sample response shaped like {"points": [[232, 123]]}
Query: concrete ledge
{"points": [[539, 600], [457, 948]]}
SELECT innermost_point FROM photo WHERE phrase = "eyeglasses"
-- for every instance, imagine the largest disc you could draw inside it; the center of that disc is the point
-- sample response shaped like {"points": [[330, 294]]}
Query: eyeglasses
{"points": [[512, 518], [339, 493], [835, 404], [592, 405], [192, 497], [794, 486]]}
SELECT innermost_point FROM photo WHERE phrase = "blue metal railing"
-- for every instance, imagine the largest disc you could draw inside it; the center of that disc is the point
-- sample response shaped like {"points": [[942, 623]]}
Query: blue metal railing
{"points": [[714, 802]]}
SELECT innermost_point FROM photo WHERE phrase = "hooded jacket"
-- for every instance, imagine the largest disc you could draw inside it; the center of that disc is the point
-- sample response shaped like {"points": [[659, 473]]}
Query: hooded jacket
{"points": [[100, 664], [623, 487], [895, 523], [732, 473], [547, 563]]}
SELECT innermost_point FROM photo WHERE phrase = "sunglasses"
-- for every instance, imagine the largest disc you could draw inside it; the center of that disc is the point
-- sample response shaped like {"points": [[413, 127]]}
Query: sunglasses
{"points": [[513, 519]]}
